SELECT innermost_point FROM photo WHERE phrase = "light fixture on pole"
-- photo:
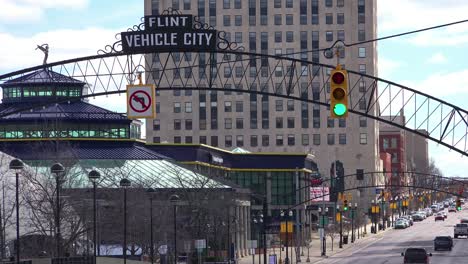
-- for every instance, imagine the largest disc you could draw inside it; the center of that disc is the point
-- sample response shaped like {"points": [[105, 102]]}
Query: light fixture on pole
{"points": [[17, 165], [58, 170], [94, 176], [174, 199], [150, 192], [125, 183]]}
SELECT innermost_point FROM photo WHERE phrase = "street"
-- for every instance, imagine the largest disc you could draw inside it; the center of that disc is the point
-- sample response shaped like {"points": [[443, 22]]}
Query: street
{"points": [[387, 248]]}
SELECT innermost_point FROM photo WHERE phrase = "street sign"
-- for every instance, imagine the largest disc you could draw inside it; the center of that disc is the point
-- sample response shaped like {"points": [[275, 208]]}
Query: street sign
{"points": [[162, 249], [140, 101]]}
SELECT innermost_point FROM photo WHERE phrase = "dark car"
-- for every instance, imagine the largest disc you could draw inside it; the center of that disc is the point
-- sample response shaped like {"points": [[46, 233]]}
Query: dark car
{"points": [[443, 242], [416, 255]]}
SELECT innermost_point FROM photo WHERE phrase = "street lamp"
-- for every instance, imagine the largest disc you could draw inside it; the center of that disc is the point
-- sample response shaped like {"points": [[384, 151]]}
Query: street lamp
{"points": [[174, 199], [340, 217], [58, 170], [373, 211], [324, 241], [94, 176], [150, 192], [125, 183], [353, 210], [17, 165], [382, 211]]}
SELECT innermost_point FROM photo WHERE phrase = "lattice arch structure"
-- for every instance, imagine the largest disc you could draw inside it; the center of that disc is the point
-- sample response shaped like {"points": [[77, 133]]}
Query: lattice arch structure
{"points": [[281, 76]]}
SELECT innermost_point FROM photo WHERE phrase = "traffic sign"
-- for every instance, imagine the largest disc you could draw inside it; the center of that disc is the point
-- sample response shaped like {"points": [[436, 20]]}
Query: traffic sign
{"points": [[140, 101], [162, 249], [200, 243]]}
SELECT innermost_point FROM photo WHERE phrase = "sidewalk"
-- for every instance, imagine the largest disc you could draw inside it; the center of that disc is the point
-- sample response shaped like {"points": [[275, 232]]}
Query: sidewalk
{"points": [[314, 254]]}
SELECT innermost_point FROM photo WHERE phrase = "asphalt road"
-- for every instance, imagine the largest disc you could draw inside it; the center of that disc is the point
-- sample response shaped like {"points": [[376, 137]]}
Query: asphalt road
{"points": [[387, 247]]}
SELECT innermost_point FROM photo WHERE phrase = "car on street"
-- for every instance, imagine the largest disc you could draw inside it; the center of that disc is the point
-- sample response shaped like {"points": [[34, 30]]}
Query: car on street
{"points": [[464, 221], [452, 209], [409, 218], [460, 230], [439, 216], [400, 224], [445, 214], [417, 217], [415, 255], [443, 242]]}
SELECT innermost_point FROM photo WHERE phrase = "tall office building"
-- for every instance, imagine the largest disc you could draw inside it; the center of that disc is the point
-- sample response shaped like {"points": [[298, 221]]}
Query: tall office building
{"points": [[272, 124]]}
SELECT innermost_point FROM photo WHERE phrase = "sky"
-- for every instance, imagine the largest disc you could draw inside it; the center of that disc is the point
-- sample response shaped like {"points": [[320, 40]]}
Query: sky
{"points": [[433, 62]]}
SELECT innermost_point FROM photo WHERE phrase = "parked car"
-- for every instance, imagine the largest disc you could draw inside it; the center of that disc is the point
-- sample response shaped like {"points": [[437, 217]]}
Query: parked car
{"points": [[417, 217], [416, 255], [443, 242], [452, 209], [400, 224], [439, 216], [464, 221]]}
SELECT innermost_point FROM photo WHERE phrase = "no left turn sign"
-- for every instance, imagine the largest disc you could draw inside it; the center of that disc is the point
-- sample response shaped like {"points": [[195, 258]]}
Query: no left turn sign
{"points": [[140, 101]]}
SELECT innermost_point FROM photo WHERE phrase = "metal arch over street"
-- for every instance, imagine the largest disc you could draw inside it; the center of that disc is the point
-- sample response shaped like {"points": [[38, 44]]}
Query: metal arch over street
{"points": [[285, 76]]}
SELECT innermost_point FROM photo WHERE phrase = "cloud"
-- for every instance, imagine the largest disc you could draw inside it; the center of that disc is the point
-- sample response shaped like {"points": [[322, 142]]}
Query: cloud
{"points": [[19, 52], [388, 66], [402, 15], [450, 162], [437, 58], [25, 11]]}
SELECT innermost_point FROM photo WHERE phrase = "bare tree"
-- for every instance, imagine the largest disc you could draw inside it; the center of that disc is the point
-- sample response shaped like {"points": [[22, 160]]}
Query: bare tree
{"points": [[332, 230]]}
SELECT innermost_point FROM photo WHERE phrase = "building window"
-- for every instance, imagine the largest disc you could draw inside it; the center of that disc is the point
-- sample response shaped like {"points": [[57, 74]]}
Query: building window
{"points": [[362, 104], [239, 123], [362, 68], [328, 18], [228, 123], [340, 18], [290, 105], [305, 139], [360, 174], [202, 139], [316, 139], [228, 141], [361, 35], [363, 138], [189, 139], [362, 121], [329, 36], [177, 139], [393, 143], [331, 139], [187, 5], [279, 140], [226, 4], [290, 122], [277, 19], [278, 37], [289, 3], [177, 107], [277, 3], [342, 139], [328, 3], [279, 105], [177, 124], [339, 3], [265, 140], [156, 124], [237, 4], [188, 124], [289, 19], [227, 106], [214, 141], [362, 86], [239, 106], [238, 37], [279, 122], [253, 141], [291, 140], [156, 140], [330, 122], [289, 36], [362, 52], [226, 20], [188, 107], [238, 20]]}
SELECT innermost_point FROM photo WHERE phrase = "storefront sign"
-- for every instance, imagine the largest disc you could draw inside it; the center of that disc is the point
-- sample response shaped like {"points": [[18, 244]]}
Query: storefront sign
{"points": [[165, 33], [319, 194]]}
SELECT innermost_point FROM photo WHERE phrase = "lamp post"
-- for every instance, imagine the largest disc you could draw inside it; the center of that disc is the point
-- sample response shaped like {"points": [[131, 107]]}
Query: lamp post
{"points": [[340, 217], [94, 176], [150, 192], [353, 210], [17, 165], [125, 183], [58, 170], [324, 241], [174, 199], [373, 211]]}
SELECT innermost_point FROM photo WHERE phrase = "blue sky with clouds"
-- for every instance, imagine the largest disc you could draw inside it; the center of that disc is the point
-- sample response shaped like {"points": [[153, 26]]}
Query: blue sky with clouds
{"points": [[433, 62]]}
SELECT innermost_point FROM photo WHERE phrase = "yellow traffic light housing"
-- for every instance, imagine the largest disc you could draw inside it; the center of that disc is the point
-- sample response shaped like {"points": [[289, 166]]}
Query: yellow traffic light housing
{"points": [[339, 93], [345, 205]]}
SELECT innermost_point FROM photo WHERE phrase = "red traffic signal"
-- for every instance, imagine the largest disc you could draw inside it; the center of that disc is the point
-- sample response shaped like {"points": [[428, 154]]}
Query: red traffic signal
{"points": [[316, 182], [338, 77]]}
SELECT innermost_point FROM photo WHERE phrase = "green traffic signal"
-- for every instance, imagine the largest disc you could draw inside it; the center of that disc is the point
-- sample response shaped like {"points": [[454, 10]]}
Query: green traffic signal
{"points": [[340, 109], [345, 208]]}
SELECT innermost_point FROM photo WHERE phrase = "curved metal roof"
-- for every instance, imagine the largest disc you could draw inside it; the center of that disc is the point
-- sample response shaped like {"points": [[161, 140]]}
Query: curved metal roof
{"points": [[42, 76]]}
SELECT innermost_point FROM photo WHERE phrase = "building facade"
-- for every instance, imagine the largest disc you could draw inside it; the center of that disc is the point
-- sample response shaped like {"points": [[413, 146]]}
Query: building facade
{"points": [[272, 124]]}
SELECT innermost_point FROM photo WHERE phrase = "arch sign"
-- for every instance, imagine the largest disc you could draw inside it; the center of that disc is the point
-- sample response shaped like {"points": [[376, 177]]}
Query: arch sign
{"points": [[140, 101]]}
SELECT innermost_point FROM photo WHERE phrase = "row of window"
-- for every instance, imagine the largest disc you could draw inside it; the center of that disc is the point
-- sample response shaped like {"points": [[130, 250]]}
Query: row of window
{"points": [[264, 140], [18, 92], [237, 4], [288, 19], [69, 133]]}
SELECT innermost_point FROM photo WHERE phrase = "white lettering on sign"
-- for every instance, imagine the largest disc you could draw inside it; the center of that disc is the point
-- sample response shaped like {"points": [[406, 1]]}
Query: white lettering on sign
{"points": [[168, 21], [152, 39], [217, 159], [197, 38]]}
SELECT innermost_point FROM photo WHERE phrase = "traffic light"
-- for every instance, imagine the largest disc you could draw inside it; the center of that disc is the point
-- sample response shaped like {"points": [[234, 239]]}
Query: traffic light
{"points": [[459, 205], [345, 205], [339, 93]]}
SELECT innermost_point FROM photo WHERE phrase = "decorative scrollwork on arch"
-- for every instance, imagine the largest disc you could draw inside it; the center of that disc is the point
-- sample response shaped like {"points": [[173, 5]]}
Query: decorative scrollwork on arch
{"points": [[171, 11], [225, 44], [114, 48], [198, 24]]}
